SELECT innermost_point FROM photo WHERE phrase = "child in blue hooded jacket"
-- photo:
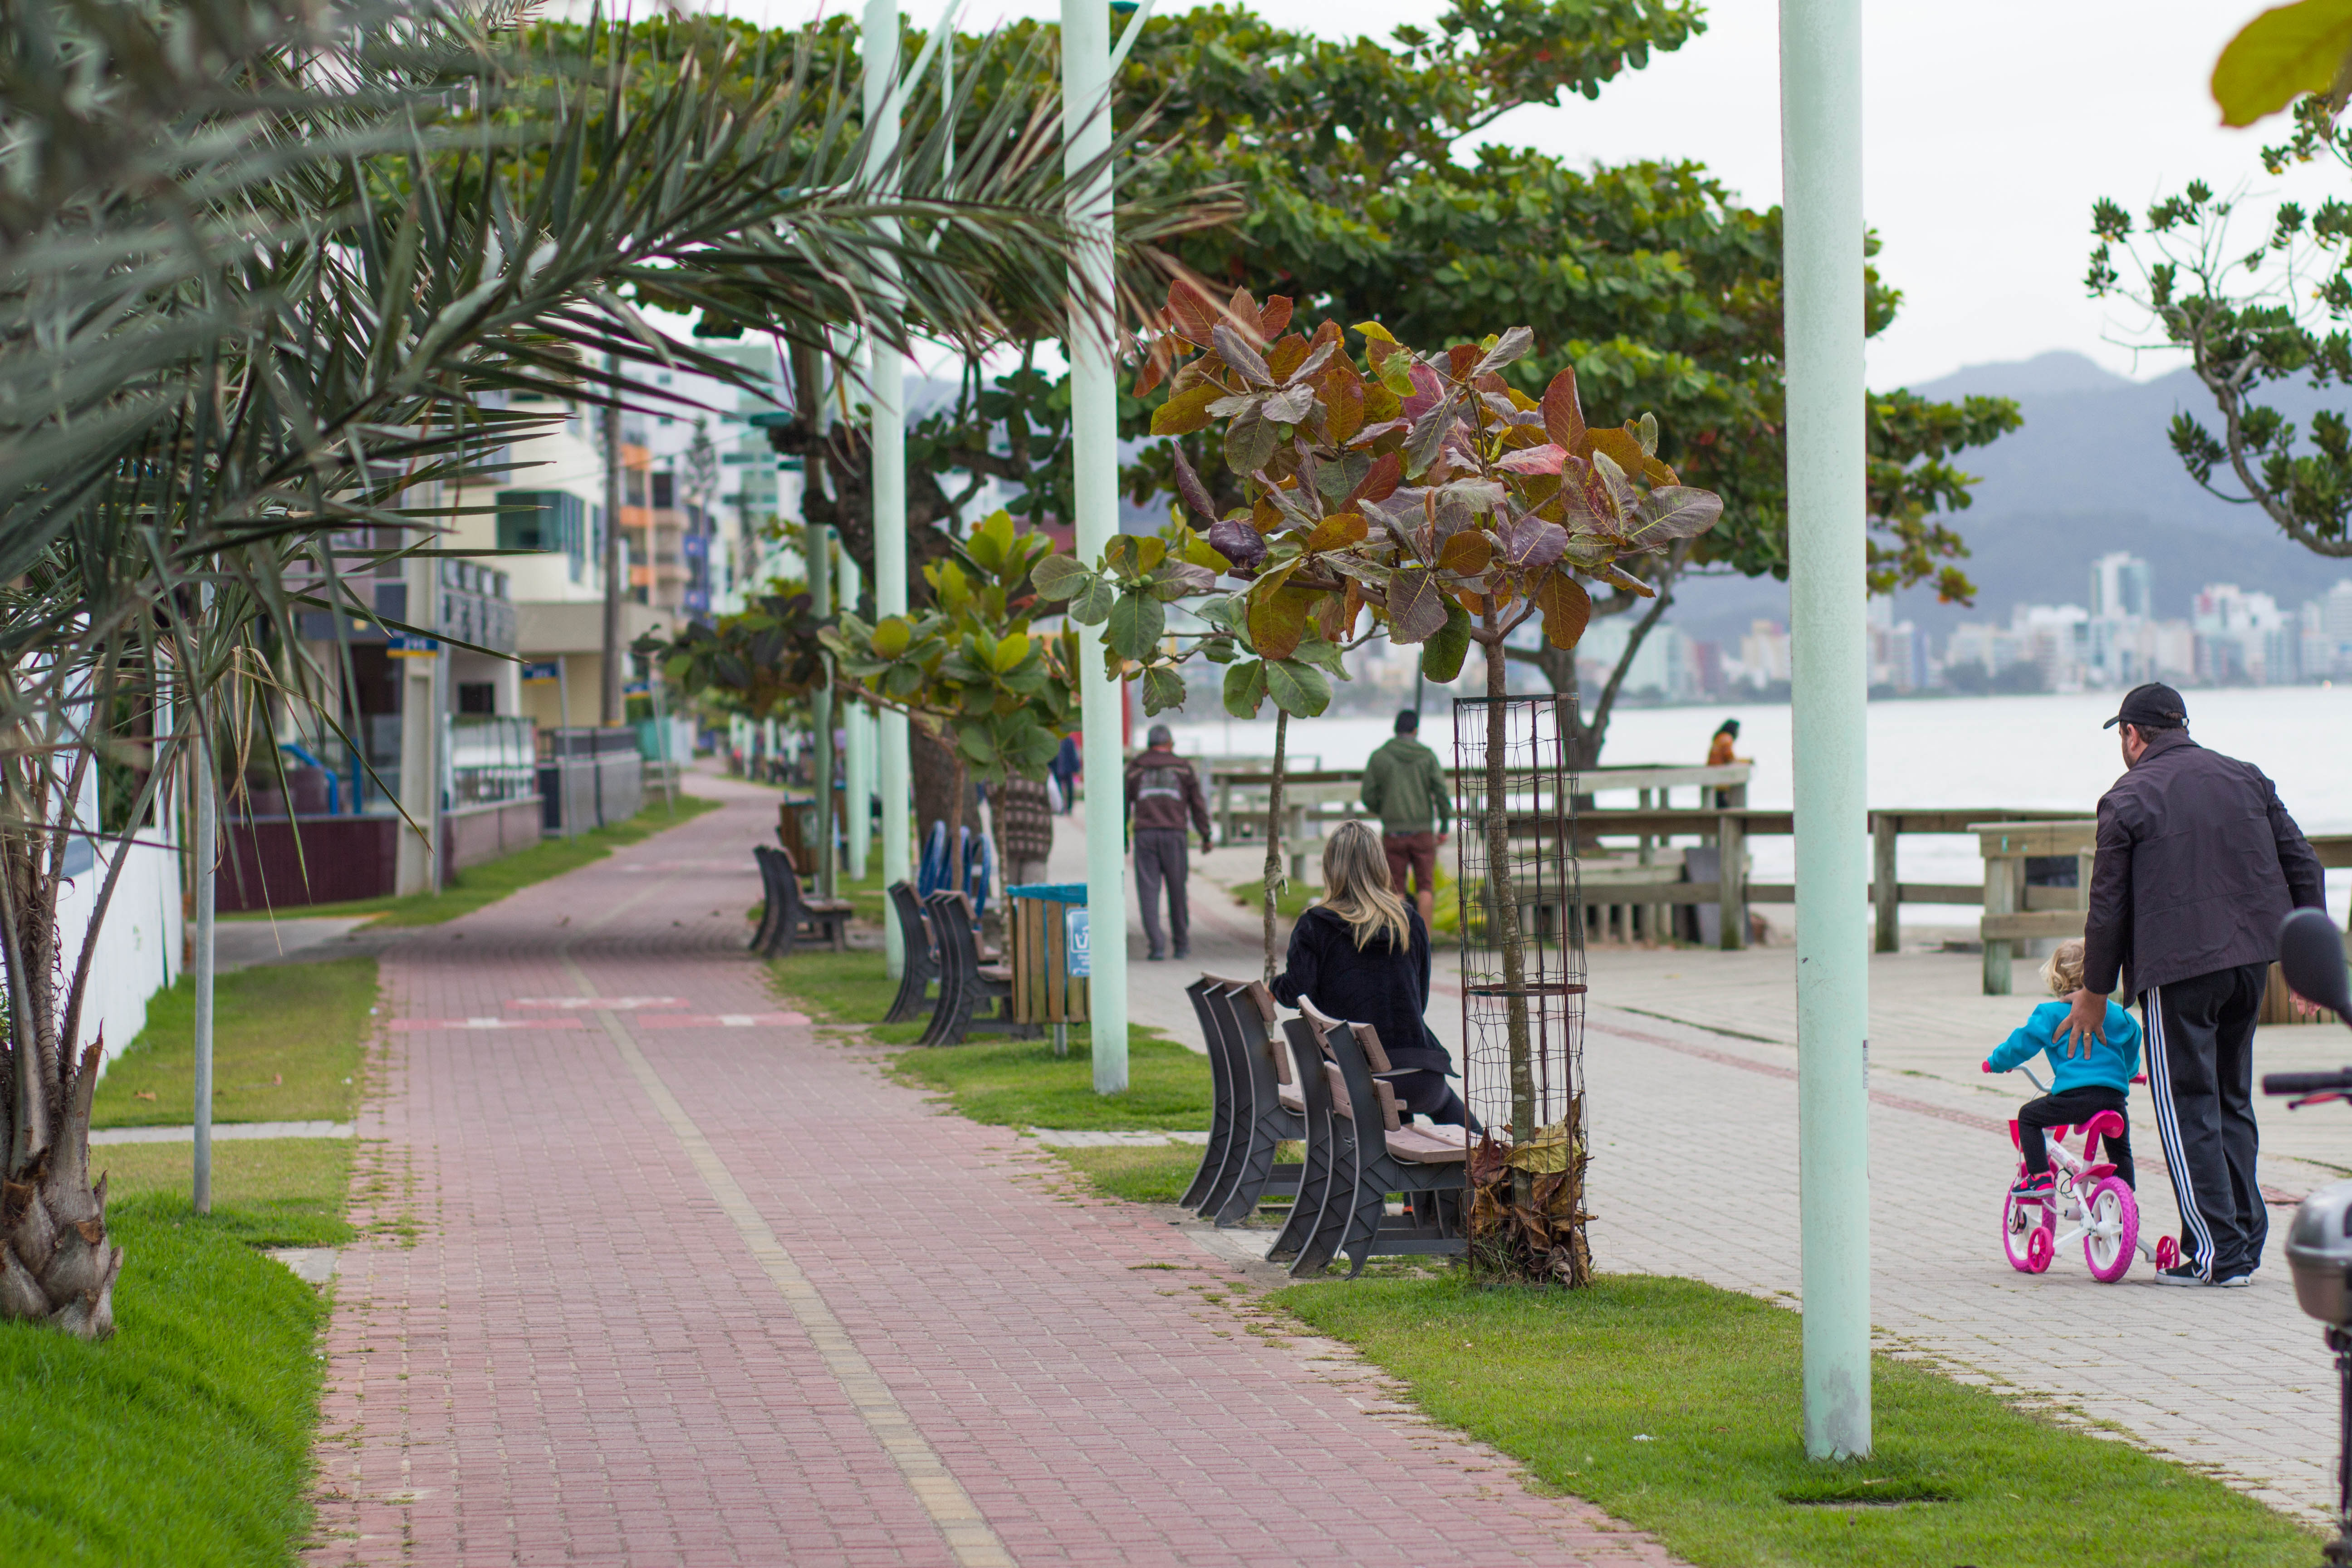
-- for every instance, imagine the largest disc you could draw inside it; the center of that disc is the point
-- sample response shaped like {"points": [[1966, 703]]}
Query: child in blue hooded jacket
{"points": [[2080, 1087]]}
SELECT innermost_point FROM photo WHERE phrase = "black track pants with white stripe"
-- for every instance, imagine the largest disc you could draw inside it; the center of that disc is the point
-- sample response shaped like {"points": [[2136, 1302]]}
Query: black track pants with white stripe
{"points": [[2200, 1077]]}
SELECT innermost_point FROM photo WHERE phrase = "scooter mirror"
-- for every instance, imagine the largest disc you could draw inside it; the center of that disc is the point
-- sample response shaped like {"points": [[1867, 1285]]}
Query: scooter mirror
{"points": [[2311, 952]]}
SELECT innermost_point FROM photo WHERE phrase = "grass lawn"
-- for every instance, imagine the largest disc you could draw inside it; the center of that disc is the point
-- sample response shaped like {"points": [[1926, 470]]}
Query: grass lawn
{"points": [[288, 1039], [486, 884], [1674, 1405], [186, 1438], [1014, 1083], [266, 1191], [1145, 1176]]}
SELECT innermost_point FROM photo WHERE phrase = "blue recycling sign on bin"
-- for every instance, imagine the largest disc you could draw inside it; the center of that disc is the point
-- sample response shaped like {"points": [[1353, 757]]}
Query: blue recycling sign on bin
{"points": [[1077, 935]]}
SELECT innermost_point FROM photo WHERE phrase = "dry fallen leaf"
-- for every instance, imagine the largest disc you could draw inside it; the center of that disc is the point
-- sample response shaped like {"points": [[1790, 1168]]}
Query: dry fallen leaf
{"points": [[140, 1094]]}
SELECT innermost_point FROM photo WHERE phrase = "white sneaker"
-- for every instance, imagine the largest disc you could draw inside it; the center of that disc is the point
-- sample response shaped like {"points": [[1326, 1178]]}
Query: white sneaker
{"points": [[2236, 1281]]}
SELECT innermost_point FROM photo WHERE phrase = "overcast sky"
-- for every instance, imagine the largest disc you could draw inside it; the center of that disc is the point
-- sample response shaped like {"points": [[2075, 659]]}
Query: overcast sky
{"points": [[1990, 128]]}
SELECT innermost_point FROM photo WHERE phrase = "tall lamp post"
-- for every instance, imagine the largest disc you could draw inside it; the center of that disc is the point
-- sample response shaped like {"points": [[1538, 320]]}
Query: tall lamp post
{"points": [[1821, 122], [1088, 63], [885, 382]]}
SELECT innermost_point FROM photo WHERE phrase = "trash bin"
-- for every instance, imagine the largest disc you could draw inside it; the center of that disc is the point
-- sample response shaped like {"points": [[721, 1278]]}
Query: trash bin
{"points": [[1046, 947]]}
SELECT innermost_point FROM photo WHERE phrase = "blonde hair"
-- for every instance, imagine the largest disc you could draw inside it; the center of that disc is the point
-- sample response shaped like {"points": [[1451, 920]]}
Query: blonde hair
{"points": [[2062, 970], [1356, 886]]}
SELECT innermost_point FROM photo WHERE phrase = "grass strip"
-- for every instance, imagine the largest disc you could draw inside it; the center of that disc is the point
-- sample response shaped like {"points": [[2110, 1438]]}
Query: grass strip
{"points": [[266, 1191], [475, 886], [288, 1041], [1010, 1083], [1674, 1405], [1146, 1175], [186, 1438]]}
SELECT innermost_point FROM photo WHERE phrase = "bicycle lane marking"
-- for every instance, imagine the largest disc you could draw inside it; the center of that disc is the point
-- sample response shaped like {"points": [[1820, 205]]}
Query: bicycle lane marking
{"points": [[958, 1519]]}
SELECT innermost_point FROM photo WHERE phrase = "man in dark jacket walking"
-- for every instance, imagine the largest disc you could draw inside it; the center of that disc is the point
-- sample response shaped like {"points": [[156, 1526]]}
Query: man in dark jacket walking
{"points": [[2198, 863], [1162, 790]]}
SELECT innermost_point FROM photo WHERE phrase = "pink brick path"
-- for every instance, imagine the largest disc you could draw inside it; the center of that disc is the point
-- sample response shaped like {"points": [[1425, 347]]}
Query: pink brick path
{"points": [[711, 1294]]}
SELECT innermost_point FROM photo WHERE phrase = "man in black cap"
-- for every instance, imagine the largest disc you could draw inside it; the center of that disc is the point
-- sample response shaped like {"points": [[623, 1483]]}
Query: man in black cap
{"points": [[2198, 863]]}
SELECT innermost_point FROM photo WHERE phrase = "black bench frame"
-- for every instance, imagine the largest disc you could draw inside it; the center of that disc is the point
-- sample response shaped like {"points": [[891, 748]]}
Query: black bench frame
{"points": [[1358, 1172], [920, 969], [791, 915], [1248, 1121], [965, 982]]}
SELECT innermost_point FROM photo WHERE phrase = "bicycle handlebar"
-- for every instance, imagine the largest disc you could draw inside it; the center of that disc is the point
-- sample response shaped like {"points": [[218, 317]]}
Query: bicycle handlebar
{"points": [[2307, 1082]]}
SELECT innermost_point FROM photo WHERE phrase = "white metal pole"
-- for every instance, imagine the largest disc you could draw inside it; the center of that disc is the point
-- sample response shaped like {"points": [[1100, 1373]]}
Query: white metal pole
{"points": [[206, 850], [1094, 442], [1822, 227], [885, 382]]}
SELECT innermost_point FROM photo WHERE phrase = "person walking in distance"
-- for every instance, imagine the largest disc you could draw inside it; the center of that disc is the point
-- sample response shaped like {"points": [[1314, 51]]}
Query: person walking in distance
{"points": [[2198, 863], [1162, 790], [1406, 789]]}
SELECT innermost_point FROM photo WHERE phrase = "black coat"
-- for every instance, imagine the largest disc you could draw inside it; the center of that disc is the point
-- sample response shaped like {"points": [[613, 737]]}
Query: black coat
{"points": [[1382, 987], [2198, 864]]}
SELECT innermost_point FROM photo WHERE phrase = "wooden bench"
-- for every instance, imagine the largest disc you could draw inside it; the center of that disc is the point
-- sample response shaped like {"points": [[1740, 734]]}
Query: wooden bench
{"points": [[791, 915], [1367, 1152], [967, 980], [1251, 1116]]}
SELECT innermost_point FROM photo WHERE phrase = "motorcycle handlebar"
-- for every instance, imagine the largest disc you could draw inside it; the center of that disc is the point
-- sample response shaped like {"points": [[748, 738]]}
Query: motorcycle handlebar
{"points": [[2307, 1082]]}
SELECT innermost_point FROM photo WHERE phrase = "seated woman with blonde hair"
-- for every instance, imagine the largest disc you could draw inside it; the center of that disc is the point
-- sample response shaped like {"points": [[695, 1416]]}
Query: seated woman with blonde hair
{"points": [[1362, 954]]}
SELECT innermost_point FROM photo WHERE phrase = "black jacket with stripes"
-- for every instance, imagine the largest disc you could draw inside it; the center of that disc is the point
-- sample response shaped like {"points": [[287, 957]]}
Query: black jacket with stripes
{"points": [[2198, 863]]}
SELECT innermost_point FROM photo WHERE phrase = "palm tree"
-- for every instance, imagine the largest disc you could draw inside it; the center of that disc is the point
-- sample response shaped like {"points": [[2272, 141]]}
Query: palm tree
{"points": [[265, 272]]}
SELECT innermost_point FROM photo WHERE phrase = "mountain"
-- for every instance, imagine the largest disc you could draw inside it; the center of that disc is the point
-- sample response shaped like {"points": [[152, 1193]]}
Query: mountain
{"points": [[2090, 471]]}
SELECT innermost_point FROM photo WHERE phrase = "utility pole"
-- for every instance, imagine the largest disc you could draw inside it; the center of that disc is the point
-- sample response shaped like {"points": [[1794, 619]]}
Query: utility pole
{"points": [[855, 724], [1089, 65], [1821, 122], [609, 708], [816, 540], [885, 382]]}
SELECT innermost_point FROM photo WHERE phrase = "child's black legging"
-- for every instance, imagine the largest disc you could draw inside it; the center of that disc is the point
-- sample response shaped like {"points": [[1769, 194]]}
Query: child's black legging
{"points": [[1426, 1093], [2071, 1107]]}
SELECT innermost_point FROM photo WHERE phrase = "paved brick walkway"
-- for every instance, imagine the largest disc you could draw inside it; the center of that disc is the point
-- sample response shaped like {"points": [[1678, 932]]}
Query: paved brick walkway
{"points": [[1690, 1055], [687, 1289]]}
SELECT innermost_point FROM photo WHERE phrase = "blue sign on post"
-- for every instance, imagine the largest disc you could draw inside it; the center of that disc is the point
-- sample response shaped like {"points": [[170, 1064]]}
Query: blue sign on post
{"points": [[532, 674], [1077, 935]]}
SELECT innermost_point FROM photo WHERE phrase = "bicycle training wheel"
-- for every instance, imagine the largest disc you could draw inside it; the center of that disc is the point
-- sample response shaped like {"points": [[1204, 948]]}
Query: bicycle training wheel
{"points": [[2110, 1230]]}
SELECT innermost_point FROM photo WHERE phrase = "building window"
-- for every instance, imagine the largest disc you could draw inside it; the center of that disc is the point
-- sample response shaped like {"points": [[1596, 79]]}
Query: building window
{"points": [[664, 489], [477, 697], [544, 519]]}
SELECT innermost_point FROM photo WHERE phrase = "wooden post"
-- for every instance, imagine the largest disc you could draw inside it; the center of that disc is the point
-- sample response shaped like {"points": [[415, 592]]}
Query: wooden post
{"points": [[2002, 873], [1882, 828], [1731, 885]]}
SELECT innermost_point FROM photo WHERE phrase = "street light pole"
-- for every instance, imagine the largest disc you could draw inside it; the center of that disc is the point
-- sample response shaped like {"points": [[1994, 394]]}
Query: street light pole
{"points": [[1822, 251], [1094, 445], [885, 382]]}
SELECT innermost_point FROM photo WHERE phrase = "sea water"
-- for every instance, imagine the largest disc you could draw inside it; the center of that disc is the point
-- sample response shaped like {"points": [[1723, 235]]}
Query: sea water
{"points": [[2043, 752]]}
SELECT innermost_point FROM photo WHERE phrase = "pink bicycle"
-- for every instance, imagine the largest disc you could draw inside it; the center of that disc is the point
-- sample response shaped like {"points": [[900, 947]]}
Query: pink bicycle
{"points": [[2084, 1193]]}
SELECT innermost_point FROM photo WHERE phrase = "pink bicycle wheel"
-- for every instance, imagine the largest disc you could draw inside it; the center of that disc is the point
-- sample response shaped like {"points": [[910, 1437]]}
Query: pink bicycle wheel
{"points": [[2038, 1249], [2168, 1253], [2019, 1219], [2110, 1230]]}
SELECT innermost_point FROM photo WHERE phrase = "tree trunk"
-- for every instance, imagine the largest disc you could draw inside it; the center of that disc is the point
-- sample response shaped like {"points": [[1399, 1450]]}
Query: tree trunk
{"points": [[54, 1263], [1274, 878], [939, 783], [1505, 904]]}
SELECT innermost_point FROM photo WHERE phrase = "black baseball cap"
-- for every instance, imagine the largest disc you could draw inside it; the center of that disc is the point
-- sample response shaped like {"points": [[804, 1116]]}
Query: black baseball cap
{"points": [[2155, 706]]}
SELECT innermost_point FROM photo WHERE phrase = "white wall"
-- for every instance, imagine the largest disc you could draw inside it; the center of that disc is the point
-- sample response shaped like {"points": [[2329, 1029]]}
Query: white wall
{"points": [[139, 947]]}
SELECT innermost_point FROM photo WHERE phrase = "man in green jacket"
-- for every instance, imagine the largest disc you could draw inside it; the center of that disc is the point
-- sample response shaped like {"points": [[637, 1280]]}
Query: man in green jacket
{"points": [[1406, 789]]}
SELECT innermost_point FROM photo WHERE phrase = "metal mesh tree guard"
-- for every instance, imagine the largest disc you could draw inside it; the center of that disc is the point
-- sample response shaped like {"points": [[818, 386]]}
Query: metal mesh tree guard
{"points": [[1522, 948]]}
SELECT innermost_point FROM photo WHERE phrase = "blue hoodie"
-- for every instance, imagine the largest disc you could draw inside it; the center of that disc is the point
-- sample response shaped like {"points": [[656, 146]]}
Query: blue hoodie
{"points": [[2112, 1063]]}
